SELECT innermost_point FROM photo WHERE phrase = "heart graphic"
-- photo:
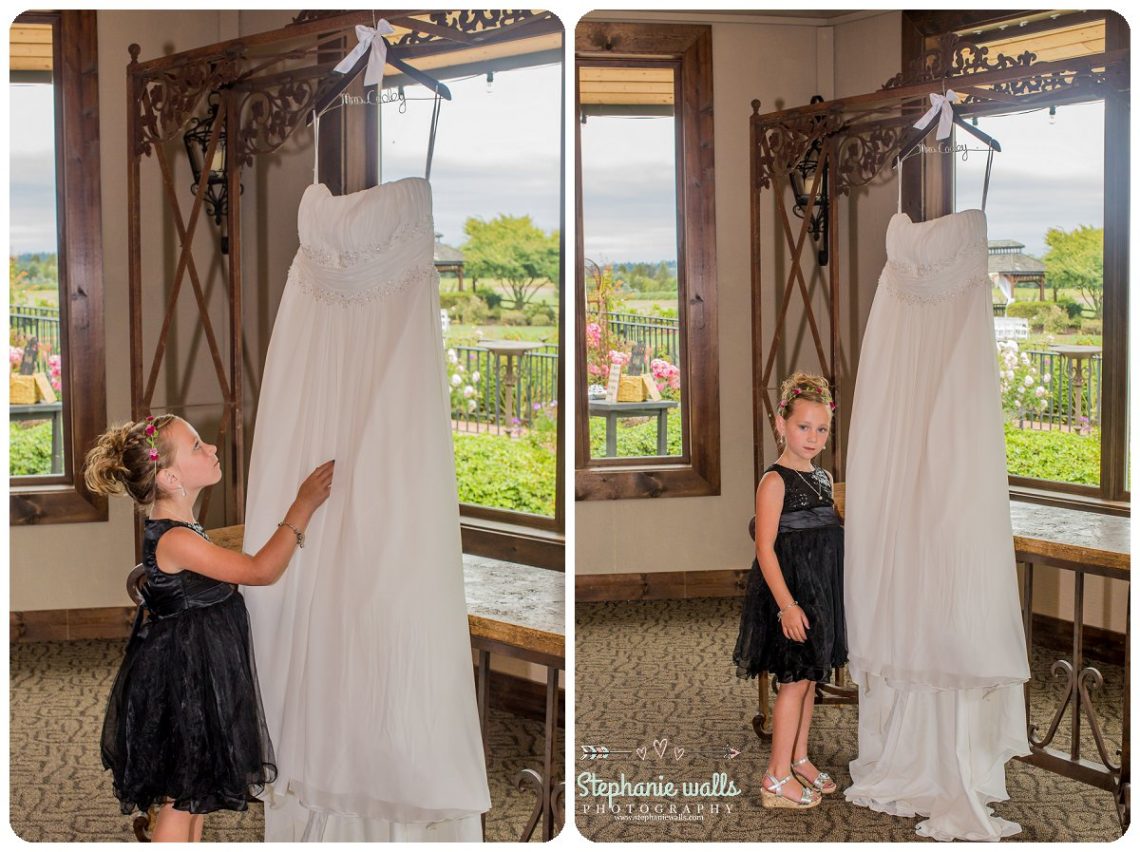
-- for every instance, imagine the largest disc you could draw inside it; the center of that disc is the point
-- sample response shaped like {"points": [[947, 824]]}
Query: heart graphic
{"points": [[641, 752], [677, 752], [660, 745]]}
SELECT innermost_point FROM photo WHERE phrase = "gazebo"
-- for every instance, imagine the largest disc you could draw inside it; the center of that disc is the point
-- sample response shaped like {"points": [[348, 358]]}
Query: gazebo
{"points": [[1010, 266], [448, 259]]}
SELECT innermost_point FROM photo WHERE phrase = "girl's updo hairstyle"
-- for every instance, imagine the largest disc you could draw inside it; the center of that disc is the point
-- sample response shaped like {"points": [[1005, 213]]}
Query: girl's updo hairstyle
{"points": [[800, 385], [121, 463]]}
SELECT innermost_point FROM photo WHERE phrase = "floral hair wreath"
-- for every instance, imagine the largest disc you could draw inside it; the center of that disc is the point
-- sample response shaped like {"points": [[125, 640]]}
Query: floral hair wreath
{"points": [[152, 440], [795, 392]]}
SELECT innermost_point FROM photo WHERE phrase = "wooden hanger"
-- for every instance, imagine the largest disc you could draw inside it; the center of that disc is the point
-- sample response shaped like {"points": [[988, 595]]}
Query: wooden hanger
{"points": [[395, 58]]}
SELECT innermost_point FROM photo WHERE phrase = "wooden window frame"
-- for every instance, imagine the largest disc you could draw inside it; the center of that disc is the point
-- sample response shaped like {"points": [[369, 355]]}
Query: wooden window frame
{"points": [[697, 472], [64, 498], [929, 193]]}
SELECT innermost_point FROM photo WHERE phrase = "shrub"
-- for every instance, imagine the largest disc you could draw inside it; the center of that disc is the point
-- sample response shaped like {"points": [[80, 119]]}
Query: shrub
{"points": [[464, 308], [1059, 323], [29, 448], [1053, 455], [1071, 306], [513, 318], [489, 297], [1093, 327], [505, 473]]}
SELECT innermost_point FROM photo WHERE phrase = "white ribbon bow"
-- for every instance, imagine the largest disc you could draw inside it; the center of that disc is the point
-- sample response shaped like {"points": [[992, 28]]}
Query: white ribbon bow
{"points": [[943, 107], [373, 40]]}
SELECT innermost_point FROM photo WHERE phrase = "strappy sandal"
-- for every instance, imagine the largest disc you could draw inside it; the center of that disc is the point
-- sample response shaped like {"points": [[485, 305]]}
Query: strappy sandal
{"points": [[773, 798], [823, 782]]}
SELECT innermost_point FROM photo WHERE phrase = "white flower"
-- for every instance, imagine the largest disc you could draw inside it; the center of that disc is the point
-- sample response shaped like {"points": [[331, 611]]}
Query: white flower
{"points": [[1047, 378], [1024, 360], [1040, 392], [452, 357], [475, 377], [1028, 381], [471, 406], [456, 380], [469, 391]]}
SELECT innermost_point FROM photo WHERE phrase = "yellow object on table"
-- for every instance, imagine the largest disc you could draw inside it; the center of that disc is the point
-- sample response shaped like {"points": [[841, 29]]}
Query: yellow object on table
{"points": [[631, 389], [21, 389]]}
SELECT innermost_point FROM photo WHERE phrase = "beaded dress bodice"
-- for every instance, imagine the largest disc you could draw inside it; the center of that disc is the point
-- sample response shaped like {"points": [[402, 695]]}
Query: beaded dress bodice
{"points": [[929, 262], [359, 248]]}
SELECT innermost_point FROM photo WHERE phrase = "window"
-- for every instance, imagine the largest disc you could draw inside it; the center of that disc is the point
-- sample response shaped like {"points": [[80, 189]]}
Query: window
{"points": [[646, 403], [1054, 229], [497, 187], [57, 401]]}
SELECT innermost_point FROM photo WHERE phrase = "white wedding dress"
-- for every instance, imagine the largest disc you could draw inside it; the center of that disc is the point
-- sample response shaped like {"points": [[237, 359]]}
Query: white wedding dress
{"points": [[362, 647], [934, 624]]}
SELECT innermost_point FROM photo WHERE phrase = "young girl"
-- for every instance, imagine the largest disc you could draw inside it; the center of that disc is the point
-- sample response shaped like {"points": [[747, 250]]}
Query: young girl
{"points": [[792, 624], [184, 726]]}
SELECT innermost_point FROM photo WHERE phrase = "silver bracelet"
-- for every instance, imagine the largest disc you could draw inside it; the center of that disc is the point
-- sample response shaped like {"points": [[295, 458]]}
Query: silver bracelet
{"points": [[300, 535], [780, 614]]}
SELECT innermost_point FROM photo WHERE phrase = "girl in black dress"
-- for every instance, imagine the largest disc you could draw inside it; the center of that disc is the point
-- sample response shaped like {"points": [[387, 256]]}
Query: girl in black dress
{"points": [[184, 727], [792, 623]]}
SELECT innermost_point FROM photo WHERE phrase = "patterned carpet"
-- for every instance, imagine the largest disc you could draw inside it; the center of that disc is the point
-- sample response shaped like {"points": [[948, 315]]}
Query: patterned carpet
{"points": [[60, 792], [658, 676]]}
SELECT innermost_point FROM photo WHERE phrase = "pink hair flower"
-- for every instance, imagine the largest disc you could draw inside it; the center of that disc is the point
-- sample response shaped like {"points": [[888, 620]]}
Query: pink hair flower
{"points": [[150, 429], [153, 454]]}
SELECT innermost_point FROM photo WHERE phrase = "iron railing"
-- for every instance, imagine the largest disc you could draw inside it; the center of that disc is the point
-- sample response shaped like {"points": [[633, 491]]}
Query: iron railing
{"points": [[495, 410], [41, 323], [659, 335], [1060, 410]]}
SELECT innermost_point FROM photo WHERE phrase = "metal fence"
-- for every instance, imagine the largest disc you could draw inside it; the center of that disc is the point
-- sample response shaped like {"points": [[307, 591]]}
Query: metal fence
{"points": [[501, 408], [38, 322], [1061, 410], [659, 335]]}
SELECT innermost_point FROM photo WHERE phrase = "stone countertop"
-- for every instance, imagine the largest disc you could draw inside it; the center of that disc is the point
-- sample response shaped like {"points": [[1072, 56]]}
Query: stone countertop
{"points": [[518, 605], [1089, 538]]}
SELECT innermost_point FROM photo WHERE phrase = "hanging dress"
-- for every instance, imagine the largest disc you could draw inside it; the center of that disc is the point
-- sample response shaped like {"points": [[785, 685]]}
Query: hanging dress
{"points": [[934, 623], [363, 647]]}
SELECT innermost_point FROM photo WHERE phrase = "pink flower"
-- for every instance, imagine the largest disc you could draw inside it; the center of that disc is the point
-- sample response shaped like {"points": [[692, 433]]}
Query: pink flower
{"points": [[149, 429], [619, 358], [595, 370], [15, 356], [593, 334], [153, 454]]}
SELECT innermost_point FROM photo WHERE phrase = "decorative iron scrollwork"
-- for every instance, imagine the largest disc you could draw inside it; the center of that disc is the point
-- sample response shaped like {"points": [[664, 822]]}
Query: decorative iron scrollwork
{"points": [[170, 98], [861, 156], [955, 57], [469, 22], [784, 145], [267, 117]]}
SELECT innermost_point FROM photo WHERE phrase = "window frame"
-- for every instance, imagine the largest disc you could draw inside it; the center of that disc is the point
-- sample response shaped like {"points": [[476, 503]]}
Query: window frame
{"points": [[929, 193], [64, 498], [697, 471]]}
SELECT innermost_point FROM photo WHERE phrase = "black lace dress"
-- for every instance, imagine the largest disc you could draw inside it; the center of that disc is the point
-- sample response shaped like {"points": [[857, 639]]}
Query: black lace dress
{"points": [[184, 720], [809, 547]]}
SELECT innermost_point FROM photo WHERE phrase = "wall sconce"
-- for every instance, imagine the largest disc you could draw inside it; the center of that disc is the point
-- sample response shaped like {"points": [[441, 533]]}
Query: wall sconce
{"points": [[801, 176], [197, 140]]}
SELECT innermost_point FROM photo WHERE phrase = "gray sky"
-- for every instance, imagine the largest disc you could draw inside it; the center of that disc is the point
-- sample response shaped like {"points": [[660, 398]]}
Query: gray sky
{"points": [[496, 152], [1047, 174], [31, 222], [629, 186]]}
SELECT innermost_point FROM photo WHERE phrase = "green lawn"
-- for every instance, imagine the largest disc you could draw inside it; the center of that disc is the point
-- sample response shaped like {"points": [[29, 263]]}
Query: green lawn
{"points": [[465, 335]]}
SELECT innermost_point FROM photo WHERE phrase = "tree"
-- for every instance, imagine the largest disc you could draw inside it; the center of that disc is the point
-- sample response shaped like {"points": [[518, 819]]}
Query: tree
{"points": [[513, 250], [1075, 261]]}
